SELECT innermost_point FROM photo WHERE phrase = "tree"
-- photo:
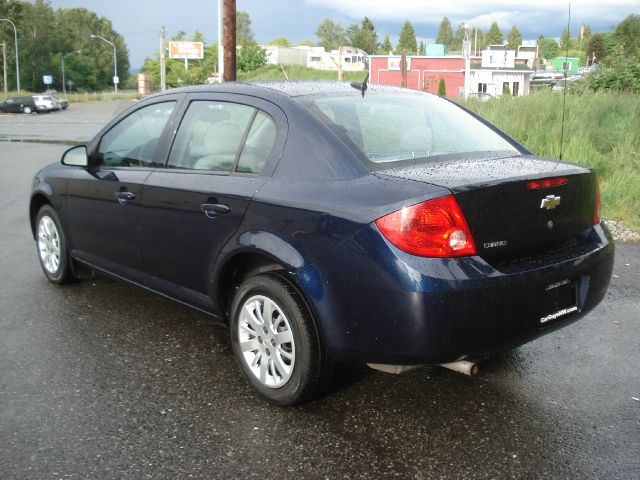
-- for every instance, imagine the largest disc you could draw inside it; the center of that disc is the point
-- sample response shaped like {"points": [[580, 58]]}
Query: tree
{"points": [[494, 35], [407, 40], [514, 39], [307, 43], [585, 36], [250, 57], [477, 39], [445, 34], [280, 42], [422, 49], [565, 40], [330, 34], [597, 48], [627, 34], [386, 46], [442, 88], [363, 37], [244, 33], [458, 39], [548, 48]]}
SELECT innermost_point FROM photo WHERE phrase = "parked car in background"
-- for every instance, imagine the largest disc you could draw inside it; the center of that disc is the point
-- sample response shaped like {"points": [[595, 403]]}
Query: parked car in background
{"points": [[322, 222], [18, 105], [46, 103], [63, 102]]}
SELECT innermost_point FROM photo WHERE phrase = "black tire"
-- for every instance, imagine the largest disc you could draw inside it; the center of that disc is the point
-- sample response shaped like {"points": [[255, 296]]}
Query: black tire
{"points": [[312, 370], [62, 273]]}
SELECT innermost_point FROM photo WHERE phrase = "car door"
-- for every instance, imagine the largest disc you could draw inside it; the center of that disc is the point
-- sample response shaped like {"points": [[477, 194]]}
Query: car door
{"points": [[103, 201], [223, 147]]}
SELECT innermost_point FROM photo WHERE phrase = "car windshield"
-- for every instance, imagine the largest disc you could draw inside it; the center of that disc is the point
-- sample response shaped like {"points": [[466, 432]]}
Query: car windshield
{"points": [[405, 127]]}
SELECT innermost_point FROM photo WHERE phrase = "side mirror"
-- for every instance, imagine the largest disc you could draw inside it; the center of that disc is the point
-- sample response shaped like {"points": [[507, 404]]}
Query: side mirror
{"points": [[76, 157]]}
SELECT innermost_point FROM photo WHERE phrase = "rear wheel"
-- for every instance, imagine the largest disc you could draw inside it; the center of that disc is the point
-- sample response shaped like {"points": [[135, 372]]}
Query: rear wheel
{"points": [[276, 342], [26, 109], [52, 247]]}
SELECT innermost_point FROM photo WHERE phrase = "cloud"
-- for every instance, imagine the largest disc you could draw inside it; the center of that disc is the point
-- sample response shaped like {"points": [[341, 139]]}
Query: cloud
{"points": [[507, 13]]}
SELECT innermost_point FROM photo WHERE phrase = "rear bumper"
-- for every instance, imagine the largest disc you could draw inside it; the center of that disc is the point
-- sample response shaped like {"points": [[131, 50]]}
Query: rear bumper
{"points": [[378, 304]]}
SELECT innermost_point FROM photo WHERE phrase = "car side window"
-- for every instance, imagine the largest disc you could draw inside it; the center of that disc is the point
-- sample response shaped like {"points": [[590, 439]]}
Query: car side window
{"points": [[258, 145], [210, 136], [132, 142]]}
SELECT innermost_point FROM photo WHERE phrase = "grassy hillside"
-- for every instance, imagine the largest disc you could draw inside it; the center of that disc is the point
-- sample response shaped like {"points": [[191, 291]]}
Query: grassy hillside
{"points": [[602, 130], [295, 72]]}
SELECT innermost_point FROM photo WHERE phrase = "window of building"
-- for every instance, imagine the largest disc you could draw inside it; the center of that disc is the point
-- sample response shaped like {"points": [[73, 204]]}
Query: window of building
{"points": [[482, 88], [516, 88]]}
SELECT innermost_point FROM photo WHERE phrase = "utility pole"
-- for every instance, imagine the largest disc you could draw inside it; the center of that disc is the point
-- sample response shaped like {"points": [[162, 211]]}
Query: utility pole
{"points": [[403, 68], [163, 70], [229, 21], [220, 42], [466, 51], [4, 68]]}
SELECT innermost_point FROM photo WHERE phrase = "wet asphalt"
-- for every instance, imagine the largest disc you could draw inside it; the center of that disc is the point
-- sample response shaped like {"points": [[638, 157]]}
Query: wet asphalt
{"points": [[100, 379]]}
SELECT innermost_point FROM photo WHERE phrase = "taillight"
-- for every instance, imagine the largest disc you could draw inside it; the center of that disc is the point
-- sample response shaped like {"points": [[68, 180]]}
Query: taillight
{"points": [[435, 228], [547, 182], [596, 214]]}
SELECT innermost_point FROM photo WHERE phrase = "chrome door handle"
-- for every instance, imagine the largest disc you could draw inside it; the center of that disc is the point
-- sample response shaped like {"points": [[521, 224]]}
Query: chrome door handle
{"points": [[212, 209], [124, 197]]}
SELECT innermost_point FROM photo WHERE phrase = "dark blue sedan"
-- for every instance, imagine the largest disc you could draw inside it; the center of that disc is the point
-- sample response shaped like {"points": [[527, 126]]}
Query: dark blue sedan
{"points": [[325, 222]]}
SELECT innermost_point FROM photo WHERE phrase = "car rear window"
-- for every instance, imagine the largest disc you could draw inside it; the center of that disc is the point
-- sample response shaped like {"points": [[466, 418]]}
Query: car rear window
{"points": [[388, 128]]}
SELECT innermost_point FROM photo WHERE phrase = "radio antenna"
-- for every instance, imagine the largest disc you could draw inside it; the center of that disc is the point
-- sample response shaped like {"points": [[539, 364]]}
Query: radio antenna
{"points": [[564, 90]]}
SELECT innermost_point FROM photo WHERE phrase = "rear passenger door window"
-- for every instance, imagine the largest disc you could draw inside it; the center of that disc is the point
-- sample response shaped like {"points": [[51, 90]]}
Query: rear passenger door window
{"points": [[222, 137]]}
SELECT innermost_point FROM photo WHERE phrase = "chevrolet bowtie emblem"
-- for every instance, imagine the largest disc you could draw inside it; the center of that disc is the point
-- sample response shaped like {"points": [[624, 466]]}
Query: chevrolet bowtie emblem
{"points": [[549, 202]]}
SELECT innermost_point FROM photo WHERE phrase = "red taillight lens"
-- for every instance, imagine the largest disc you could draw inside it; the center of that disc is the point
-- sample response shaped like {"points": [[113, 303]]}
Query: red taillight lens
{"points": [[435, 228], [596, 214], [547, 182]]}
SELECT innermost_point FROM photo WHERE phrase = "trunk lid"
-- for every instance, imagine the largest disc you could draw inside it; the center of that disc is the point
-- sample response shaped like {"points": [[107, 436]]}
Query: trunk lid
{"points": [[505, 215]]}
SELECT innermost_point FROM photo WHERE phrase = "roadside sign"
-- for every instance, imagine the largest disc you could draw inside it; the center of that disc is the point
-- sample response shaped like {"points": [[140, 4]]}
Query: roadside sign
{"points": [[47, 79], [116, 80], [186, 50]]}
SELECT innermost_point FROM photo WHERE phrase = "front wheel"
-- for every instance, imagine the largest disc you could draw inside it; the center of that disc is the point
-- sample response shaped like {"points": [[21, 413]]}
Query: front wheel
{"points": [[52, 247], [276, 341]]}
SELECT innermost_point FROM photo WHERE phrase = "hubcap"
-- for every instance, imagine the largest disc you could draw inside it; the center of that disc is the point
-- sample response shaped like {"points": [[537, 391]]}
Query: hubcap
{"points": [[49, 245], [266, 341]]}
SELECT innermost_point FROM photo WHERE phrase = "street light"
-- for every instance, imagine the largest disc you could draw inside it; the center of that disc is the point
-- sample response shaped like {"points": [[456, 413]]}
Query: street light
{"points": [[15, 36], [115, 62], [64, 88]]}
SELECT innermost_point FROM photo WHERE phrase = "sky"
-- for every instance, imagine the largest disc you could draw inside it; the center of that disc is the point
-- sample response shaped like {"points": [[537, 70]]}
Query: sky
{"points": [[139, 21]]}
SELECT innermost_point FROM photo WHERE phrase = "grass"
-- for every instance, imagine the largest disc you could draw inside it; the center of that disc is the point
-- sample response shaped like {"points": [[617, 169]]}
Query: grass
{"points": [[602, 130], [296, 72]]}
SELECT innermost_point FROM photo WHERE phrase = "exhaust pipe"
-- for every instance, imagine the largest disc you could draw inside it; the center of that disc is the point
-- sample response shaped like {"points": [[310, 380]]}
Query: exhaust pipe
{"points": [[462, 366]]}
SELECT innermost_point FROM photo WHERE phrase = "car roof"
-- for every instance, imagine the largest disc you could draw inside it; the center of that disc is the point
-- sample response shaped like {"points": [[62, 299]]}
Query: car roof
{"points": [[288, 88]]}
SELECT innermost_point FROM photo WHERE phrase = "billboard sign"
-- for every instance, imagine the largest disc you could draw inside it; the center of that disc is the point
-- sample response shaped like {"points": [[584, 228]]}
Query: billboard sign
{"points": [[498, 59], [393, 63], [187, 50]]}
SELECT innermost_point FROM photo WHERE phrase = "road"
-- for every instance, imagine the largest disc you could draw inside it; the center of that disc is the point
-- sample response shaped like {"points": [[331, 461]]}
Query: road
{"points": [[103, 380]]}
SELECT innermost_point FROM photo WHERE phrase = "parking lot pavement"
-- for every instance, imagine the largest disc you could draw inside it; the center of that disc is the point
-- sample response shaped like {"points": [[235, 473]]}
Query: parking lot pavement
{"points": [[77, 124], [100, 379]]}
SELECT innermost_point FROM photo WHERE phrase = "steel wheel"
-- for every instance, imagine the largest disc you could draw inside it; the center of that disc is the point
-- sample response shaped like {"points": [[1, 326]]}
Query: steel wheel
{"points": [[49, 244], [275, 340], [266, 341]]}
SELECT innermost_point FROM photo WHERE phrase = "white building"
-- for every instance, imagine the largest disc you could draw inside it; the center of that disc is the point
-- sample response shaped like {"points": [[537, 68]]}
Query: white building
{"points": [[352, 59], [499, 72]]}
